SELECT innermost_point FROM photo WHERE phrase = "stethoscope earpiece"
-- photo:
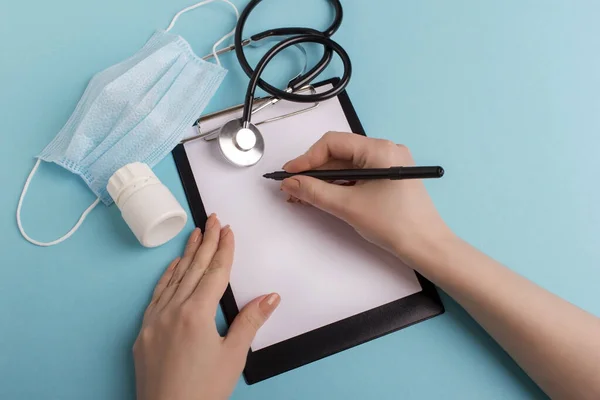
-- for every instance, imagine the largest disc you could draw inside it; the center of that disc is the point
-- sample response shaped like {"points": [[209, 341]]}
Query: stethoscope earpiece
{"points": [[241, 146]]}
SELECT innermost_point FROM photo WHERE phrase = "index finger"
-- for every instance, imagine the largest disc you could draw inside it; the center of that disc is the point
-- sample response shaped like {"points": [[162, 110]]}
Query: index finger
{"points": [[332, 146], [214, 281]]}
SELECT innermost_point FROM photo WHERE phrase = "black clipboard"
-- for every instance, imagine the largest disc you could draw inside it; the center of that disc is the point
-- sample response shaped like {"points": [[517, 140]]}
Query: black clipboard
{"points": [[330, 339]]}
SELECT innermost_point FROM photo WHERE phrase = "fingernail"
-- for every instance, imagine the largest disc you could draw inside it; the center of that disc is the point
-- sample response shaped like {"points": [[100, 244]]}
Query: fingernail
{"points": [[290, 185], [211, 221], [225, 231], [195, 235], [285, 165], [269, 304]]}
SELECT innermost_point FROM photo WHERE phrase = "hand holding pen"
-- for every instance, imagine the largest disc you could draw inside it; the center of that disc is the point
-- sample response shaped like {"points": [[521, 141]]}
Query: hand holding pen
{"points": [[390, 213]]}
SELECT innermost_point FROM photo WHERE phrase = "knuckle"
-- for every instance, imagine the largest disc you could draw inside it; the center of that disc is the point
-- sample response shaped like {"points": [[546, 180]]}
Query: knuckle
{"points": [[146, 336], [405, 155], [164, 320], [328, 135], [194, 315], [176, 278], [215, 265], [197, 263], [188, 314], [388, 152], [390, 156], [388, 143], [389, 147], [312, 193], [251, 321]]}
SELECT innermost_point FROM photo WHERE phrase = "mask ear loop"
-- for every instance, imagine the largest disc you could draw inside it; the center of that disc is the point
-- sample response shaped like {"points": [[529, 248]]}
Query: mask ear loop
{"points": [[200, 4], [61, 239]]}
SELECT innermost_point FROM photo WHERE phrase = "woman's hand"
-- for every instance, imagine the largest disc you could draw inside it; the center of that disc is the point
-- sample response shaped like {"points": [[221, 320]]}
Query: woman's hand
{"points": [[556, 343], [179, 354], [396, 215]]}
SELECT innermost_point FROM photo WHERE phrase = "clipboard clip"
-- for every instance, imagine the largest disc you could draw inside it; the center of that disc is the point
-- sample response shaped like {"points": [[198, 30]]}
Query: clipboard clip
{"points": [[260, 104]]}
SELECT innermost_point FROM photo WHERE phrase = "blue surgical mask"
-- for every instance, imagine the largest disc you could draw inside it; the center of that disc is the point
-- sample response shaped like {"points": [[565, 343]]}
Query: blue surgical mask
{"points": [[136, 110]]}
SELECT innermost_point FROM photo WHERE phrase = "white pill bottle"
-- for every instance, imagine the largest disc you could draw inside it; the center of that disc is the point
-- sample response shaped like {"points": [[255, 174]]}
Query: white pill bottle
{"points": [[148, 207]]}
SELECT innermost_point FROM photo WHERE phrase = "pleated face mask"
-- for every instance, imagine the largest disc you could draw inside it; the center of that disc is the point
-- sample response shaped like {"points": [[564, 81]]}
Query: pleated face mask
{"points": [[136, 110]]}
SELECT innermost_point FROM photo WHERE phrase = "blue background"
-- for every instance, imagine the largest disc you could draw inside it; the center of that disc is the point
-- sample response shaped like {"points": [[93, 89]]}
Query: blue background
{"points": [[504, 95]]}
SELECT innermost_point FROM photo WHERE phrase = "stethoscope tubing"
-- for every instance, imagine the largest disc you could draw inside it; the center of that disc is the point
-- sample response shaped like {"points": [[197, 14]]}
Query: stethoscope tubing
{"points": [[309, 98], [303, 79]]}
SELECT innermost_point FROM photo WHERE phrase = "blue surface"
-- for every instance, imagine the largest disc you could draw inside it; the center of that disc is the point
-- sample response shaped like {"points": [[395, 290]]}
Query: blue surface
{"points": [[505, 95]]}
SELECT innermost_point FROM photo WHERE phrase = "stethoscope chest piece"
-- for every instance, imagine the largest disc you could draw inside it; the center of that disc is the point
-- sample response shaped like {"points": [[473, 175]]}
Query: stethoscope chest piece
{"points": [[241, 146]]}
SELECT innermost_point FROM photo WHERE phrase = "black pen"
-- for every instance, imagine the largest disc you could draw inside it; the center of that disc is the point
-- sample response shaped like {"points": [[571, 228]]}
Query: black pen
{"points": [[393, 173]]}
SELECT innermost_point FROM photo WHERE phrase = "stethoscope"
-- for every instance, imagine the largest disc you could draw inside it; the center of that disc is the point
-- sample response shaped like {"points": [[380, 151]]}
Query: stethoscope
{"points": [[239, 140]]}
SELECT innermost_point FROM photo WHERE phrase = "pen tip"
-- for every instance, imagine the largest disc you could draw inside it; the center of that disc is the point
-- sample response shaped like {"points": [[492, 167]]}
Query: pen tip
{"points": [[440, 172]]}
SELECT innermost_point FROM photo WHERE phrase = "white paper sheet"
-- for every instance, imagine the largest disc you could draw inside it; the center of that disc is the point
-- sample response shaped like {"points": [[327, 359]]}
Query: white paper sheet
{"points": [[323, 270]]}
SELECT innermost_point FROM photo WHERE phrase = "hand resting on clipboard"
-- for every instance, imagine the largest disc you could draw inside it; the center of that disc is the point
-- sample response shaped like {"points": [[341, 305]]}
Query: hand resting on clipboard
{"points": [[179, 353], [209, 268]]}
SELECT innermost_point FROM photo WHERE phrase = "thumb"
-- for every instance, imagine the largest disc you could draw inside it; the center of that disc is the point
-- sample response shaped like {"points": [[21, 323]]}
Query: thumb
{"points": [[326, 196], [250, 319]]}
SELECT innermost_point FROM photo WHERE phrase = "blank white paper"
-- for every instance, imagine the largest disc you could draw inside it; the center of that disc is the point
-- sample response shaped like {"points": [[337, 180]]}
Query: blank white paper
{"points": [[323, 270]]}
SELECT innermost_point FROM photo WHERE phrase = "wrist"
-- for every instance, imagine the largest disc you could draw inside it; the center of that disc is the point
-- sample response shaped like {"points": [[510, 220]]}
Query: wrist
{"points": [[425, 248]]}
